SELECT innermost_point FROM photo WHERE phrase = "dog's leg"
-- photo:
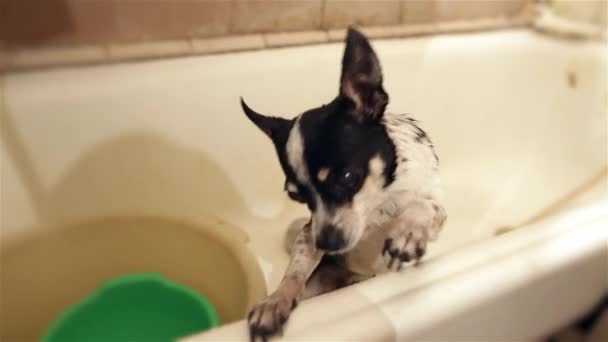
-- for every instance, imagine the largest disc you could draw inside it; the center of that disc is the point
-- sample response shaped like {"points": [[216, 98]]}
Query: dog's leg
{"points": [[419, 223], [329, 276], [267, 318]]}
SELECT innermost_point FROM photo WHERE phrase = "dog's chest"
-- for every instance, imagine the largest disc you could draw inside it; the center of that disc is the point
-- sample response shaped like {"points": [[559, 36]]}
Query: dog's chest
{"points": [[416, 177], [366, 258]]}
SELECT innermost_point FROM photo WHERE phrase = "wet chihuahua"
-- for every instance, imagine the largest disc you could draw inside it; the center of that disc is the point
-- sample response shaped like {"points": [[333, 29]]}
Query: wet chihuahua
{"points": [[369, 178]]}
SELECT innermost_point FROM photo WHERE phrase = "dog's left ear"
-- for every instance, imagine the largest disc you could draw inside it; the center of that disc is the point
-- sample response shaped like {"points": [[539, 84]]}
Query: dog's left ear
{"points": [[275, 128], [361, 80]]}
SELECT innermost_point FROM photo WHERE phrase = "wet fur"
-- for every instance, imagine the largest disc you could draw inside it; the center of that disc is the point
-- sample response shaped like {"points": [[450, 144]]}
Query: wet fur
{"points": [[382, 220]]}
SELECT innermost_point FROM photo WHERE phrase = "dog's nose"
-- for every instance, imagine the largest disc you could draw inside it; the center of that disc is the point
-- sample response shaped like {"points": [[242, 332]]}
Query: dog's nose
{"points": [[330, 239]]}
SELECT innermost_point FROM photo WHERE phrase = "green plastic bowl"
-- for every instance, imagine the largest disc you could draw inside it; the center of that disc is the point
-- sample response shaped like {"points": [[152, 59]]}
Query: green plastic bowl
{"points": [[136, 307]]}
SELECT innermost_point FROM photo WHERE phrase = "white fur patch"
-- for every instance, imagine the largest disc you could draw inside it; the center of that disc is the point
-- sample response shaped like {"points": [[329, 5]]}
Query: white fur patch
{"points": [[292, 187], [295, 153], [376, 166], [417, 168], [367, 199], [354, 218], [323, 174], [295, 157]]}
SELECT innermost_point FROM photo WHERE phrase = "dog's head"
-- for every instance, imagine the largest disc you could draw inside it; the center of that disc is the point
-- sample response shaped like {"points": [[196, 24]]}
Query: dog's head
{"points": [[338, 158]]}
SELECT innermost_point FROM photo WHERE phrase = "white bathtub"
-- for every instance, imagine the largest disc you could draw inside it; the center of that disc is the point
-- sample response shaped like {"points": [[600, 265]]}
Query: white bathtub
{"points": [[519, 121]]}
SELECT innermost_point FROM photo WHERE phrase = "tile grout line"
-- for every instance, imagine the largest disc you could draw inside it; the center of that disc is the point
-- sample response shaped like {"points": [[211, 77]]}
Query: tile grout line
{"points": [[382, 32], [322, 17], [3, 134]]}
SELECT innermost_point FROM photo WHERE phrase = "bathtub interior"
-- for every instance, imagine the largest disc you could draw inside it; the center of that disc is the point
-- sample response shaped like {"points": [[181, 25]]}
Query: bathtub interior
{"points": [[518, 120]]}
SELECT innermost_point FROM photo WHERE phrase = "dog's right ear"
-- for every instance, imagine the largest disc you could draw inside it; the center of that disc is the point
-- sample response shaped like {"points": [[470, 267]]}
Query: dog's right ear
{"points": [[361, 80], [275, 128]]}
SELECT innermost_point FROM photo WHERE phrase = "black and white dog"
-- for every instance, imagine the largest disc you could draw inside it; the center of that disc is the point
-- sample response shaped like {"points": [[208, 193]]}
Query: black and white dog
{"points": [[369, 178]]}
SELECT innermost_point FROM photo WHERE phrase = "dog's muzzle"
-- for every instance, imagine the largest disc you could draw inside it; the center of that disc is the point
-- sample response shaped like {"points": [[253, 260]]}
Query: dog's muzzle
{"points": [[330, 239]]}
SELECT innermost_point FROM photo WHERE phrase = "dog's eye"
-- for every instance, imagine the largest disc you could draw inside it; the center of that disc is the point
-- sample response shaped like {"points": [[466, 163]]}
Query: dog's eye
{"points": [[343, 184], [348, 178]]}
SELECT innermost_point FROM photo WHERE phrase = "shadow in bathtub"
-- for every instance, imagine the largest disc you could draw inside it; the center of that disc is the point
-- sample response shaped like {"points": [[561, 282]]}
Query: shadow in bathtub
{"points": [[139, 173], [145, 173]]}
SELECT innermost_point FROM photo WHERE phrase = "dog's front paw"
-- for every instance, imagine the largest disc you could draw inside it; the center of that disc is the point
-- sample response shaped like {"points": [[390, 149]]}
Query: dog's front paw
{"points": [[404, 245], [268, 317]]}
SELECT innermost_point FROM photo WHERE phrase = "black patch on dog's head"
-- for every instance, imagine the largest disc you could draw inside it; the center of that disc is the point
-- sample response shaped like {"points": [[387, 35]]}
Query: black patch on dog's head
{"points": [[342, 136], [336, 141]]}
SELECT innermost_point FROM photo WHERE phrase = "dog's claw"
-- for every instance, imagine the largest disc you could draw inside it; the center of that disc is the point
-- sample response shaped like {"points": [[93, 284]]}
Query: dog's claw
{"points": [[387, 246], [268, 317], [420, 251], [403, 247], [294, 304]]}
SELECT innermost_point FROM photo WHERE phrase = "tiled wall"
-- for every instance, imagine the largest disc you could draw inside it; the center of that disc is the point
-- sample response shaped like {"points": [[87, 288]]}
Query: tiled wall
{"points": [[26, 23], [49, 32], [589, 11]]}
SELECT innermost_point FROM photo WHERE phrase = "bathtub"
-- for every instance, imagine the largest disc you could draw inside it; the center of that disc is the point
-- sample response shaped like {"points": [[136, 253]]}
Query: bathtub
{"points": [[519, 121]]}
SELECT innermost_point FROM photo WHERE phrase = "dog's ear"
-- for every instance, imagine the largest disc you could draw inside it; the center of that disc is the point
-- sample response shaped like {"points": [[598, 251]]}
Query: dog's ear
{"points": [[361, 80], [275, 128]]}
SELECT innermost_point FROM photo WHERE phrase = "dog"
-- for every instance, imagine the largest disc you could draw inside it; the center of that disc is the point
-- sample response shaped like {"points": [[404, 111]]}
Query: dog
{"points": [[370, 180]]}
